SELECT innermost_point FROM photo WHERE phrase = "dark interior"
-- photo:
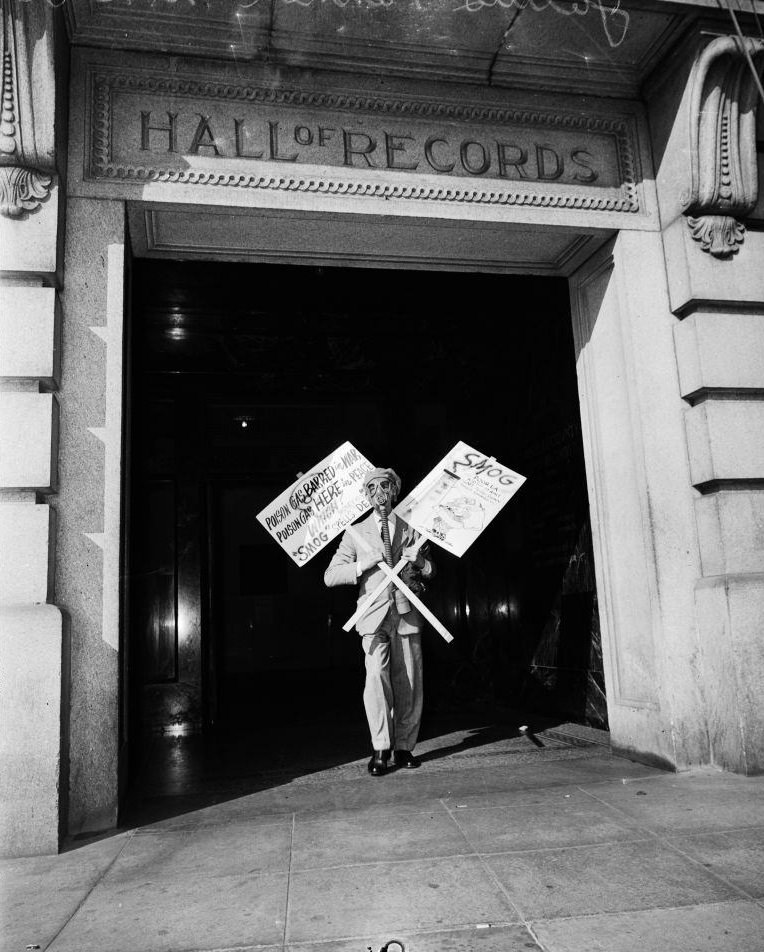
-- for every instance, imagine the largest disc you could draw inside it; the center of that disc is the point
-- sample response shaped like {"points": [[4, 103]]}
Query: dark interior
{"points": [[243, 376]]}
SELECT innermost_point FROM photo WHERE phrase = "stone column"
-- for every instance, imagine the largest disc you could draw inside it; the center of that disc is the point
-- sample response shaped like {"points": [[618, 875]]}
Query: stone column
{"points": [[703, 117], [33, 646]]}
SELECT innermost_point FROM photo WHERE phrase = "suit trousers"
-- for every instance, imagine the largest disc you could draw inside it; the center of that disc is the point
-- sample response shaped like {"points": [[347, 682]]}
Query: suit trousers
{"points": [[393, 692]]}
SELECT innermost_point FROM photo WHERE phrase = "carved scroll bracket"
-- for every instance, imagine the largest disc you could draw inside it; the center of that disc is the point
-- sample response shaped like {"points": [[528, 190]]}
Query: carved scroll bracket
{"points": [[723, 104], [26, 133]]}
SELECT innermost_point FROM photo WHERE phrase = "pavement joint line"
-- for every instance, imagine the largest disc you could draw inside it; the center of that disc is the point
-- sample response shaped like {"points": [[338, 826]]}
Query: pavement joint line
{"points": [[235, 948], [665, 842], [202, 826], [254, 821], [614, 808], [732, 829], [723, 879], [571, 846], [387, 862], [571, 781], [264, 818], [494, 878], [329, 814], [639, 778], [289, 881], [232, 948], [469, 808], [409, 933], [99, 879], [643, 911], [312, 816]]}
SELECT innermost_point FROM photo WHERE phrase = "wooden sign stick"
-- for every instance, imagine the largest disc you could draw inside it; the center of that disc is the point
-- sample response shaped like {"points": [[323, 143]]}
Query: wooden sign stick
{"points": [[364, 607], [441, 629]]}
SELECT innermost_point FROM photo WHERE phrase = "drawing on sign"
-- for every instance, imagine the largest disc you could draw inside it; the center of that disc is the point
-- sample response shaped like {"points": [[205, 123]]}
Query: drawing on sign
{"points": [[319, 504], [464, 512], [456, 501]]}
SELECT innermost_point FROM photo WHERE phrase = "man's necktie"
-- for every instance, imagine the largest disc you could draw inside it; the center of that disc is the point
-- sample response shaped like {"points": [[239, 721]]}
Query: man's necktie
{"points": [[386, 537], [401, 602]]}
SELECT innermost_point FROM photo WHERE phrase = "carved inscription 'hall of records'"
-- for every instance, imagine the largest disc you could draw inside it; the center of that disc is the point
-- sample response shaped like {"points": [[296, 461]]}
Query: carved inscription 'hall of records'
{"points": [[153, 129]]}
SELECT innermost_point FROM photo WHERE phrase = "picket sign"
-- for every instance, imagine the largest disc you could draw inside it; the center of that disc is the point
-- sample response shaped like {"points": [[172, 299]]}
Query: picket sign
{"points": [[455, 502], [451, 506], [319, 505]]}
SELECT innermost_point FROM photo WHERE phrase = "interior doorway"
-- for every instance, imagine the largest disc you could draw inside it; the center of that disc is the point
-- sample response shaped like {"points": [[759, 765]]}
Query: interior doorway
{"points": [[244, 375]]}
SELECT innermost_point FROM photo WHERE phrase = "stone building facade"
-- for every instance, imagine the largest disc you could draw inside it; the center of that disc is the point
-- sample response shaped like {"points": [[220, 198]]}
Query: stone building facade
{"points": [[612, 145]]}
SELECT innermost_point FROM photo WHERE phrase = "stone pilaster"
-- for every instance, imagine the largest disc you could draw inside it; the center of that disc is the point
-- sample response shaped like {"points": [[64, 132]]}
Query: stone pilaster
{"points": [[33, 644], [707, 183], [87, 573]]}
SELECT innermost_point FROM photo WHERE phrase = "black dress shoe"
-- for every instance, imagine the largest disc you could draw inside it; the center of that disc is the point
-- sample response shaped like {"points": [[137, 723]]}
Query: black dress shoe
{"points": [[378, 763], [404, 758]]}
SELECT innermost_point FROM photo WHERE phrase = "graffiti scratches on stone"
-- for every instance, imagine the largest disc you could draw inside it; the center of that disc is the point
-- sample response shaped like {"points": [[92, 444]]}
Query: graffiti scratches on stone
{"points": [[615, 20]]}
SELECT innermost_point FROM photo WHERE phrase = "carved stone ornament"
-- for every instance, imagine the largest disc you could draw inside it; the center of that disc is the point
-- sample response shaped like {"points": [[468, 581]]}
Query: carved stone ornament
{"points": [[21, 190], [26, 133], [724, 99]]}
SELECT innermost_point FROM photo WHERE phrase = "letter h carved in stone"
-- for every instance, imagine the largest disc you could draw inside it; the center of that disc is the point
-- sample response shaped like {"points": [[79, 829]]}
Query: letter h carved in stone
{"points": [[723, 104], [27, 152]]}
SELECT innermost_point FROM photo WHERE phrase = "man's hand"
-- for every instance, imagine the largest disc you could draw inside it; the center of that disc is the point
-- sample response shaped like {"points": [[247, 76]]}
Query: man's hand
{"points": [[412, 554], [368, 560]]}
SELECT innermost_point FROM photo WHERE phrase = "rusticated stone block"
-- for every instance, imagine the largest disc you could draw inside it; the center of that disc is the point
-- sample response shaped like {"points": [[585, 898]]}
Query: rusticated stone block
{"points": [[720, 351], [29, 326], [26, 552], [33, 670], [731, 531], [725, 439], [697, 278], [29, 244], [29, 437]]}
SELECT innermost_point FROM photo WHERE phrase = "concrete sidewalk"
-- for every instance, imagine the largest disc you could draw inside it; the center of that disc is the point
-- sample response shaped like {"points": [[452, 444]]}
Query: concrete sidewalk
{"points": [[505, 847]]}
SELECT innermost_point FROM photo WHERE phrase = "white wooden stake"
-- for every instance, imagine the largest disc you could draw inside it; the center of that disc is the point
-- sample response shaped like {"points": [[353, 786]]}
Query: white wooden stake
{"points": [[364, 607], [441, 629]]}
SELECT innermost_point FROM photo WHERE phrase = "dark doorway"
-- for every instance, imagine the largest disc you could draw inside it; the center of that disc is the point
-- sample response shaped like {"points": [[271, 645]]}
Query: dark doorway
{"points": [[245, 375]]}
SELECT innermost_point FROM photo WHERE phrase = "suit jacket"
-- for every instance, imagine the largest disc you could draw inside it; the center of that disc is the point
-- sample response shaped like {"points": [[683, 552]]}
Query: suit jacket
{"points": [[342, 571]]}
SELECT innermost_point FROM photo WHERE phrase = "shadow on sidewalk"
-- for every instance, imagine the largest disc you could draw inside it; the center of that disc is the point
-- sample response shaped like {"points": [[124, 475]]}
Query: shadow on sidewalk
{"points": [[183, 774]]}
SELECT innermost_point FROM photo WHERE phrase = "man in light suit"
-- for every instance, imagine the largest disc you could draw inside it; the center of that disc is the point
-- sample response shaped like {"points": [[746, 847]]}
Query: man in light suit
{"points": [[391, 628]]}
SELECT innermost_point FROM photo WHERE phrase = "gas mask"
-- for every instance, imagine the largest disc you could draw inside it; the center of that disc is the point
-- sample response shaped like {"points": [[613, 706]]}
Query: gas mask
{"points": [[381, 488], [380, 493]]}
